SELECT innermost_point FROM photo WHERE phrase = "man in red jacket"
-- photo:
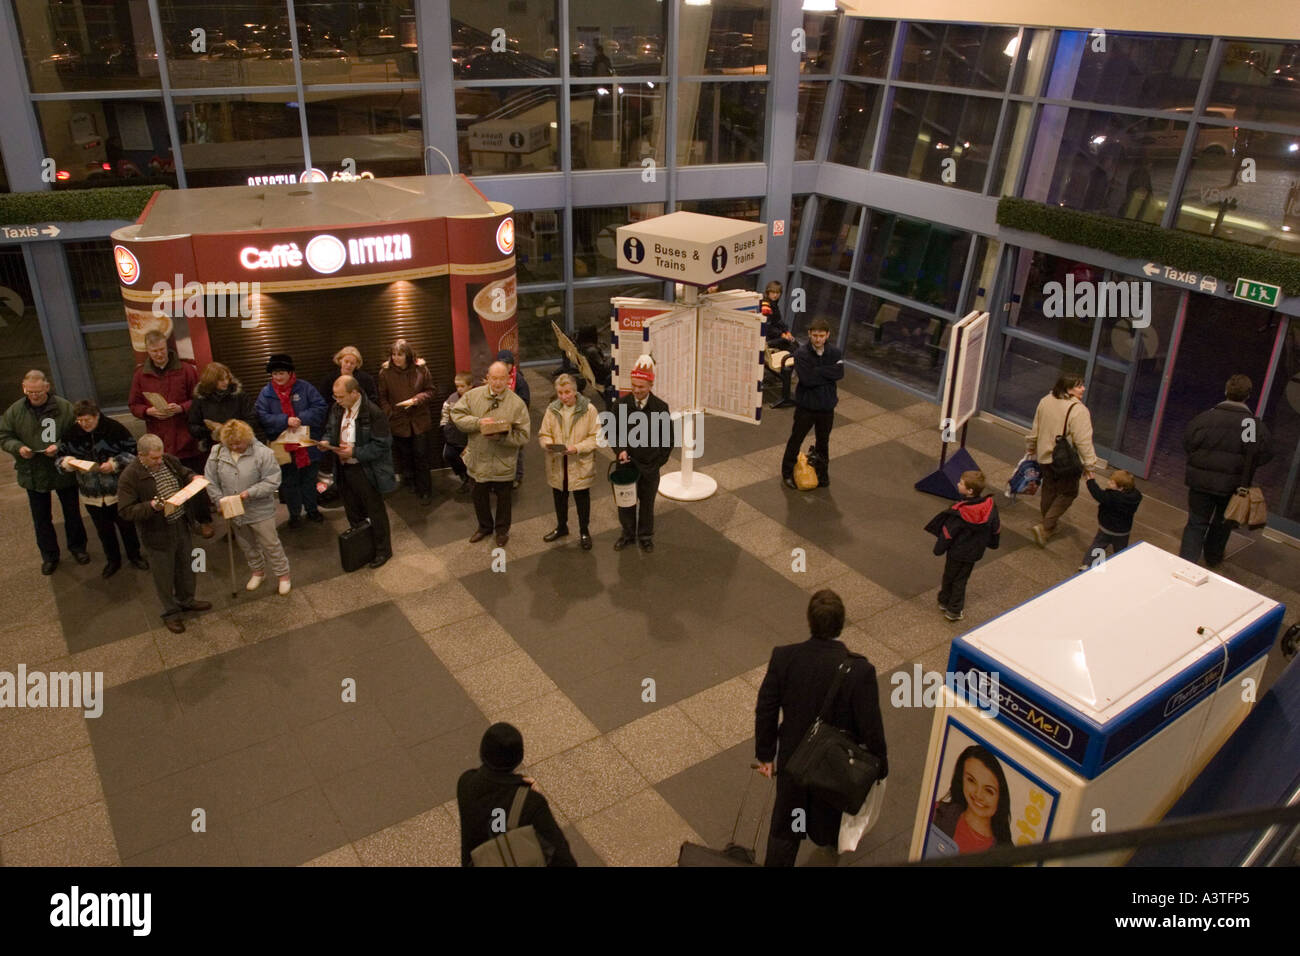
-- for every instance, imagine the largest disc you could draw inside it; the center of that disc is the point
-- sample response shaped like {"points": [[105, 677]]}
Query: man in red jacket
{"points": [[164, 373]]}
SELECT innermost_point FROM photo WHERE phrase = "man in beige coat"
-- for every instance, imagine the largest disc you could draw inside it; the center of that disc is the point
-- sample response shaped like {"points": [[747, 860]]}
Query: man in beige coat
{"points": [[568, 435], [496, 421], [1050, 420]]}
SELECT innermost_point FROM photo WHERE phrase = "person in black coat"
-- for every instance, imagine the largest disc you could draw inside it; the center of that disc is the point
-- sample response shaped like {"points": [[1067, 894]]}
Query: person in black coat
{"points": [[963, 532], [111, 447], [488, 791], [649, 456], [819, 366], [780, 341], [219, 397], [798, 678], [1220, 459]]}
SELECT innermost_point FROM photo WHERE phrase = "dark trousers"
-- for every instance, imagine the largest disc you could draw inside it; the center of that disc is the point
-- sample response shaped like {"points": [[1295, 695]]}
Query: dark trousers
{"points": [[639, 520], [483, 507], [299, 487], [1055, 497], [200, 506], [1103, 545], [173, 573], [581, 500], [952, 592], [107, 525], [805, 421], [411, 459], [362, 500], [1205, 527], [43, 521], [451, 455], [782, 839]]}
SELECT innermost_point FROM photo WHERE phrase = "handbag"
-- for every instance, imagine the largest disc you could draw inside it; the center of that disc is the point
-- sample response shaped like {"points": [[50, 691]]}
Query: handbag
{"points": [[1247, 508], [1066, 464], [1026, 479], [518, 846], [805, 475], [829, 763]]}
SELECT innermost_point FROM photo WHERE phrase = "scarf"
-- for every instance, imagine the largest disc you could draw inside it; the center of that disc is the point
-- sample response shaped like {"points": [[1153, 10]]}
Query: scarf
{"points": [[285, 393]]}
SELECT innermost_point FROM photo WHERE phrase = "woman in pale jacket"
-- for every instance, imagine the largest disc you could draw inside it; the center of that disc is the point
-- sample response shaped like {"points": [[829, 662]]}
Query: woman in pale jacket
{"points": [[242, 467], [570, 421], [1055, 495]]}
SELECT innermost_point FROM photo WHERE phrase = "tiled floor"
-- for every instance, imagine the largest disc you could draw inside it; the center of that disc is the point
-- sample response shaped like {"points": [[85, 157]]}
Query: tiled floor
{"points": [[330, 727]]}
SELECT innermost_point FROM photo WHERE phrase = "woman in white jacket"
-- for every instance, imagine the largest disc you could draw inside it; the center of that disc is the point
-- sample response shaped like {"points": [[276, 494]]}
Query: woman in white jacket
{"points": [[242, 467], [1050, 420]]}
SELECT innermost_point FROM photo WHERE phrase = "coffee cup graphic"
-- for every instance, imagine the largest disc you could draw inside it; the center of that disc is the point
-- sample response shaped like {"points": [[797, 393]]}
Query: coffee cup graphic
{"points": [[496, 304], [141, 322]]}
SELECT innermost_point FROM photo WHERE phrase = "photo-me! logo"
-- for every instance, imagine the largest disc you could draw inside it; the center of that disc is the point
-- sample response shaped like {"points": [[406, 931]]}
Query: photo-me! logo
{"points": [[128, 267], [1098, 300], [506, 236]]}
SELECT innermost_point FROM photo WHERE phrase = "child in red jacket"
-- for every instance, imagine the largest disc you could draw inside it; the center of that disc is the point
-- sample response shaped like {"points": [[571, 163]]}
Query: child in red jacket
{"points": [[963, 532]]}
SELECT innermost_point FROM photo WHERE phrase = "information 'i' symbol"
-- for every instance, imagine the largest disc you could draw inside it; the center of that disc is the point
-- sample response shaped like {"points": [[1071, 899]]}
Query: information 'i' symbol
{"points": [[719, 258], [633, 251]]}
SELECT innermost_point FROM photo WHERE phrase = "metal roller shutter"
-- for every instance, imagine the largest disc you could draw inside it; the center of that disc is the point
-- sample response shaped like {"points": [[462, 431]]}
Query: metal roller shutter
{"points": [[312, 326]]}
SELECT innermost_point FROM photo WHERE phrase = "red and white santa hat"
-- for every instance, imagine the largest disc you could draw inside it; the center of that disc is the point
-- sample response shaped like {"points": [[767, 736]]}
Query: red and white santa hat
{"points": [[644, 369]]}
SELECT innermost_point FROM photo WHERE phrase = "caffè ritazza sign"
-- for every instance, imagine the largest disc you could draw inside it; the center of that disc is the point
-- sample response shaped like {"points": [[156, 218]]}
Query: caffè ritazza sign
{"points": [[312, 175]]}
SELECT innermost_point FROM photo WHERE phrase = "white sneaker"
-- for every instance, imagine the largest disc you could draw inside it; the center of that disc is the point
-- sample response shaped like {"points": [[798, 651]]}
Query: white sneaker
{"points": [[255, 582], [284, 585]]}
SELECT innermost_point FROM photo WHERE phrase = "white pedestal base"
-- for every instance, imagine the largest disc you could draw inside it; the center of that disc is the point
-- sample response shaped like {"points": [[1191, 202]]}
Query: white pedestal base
{"points": [[675, 486]]}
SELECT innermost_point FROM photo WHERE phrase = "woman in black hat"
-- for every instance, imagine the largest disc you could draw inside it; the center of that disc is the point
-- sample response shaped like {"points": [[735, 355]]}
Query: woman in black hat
{"points": [[483, 795], [288, 402]]}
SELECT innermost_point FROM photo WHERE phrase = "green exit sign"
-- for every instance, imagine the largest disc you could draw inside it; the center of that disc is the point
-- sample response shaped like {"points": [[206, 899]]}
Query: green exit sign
{"points": [[1261, 293]]}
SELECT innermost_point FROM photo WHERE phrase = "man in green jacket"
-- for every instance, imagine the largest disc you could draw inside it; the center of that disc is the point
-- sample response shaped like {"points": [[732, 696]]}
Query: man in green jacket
{"points": [[30, 430], [491, 457]]}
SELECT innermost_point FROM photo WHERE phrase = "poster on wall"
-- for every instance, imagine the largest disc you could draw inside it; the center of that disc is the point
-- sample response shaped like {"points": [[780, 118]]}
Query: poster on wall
{"points": [[980, 799], [493, 323]]}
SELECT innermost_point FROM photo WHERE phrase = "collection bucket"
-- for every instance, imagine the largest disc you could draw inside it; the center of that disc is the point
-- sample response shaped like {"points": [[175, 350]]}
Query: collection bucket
{"points": [[623, 476]]}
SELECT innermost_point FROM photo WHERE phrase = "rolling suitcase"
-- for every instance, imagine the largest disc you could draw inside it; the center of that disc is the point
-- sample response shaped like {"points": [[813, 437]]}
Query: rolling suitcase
{"points": [[733, 854], [357, 546]]}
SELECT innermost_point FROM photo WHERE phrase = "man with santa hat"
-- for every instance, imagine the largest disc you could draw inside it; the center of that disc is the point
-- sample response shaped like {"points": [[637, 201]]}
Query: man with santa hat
{"points": [[646, 441]]}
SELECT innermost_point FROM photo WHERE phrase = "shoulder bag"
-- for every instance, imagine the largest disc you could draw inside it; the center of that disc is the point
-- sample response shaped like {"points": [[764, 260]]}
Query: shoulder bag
{"points": [[829, 762], [518, 846], [1066, 464], [1247, 508]]}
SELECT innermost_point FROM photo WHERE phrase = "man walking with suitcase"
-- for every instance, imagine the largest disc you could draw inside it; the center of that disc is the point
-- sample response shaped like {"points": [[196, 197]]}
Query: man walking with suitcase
{"points": [[795, 687], [357, 432]]}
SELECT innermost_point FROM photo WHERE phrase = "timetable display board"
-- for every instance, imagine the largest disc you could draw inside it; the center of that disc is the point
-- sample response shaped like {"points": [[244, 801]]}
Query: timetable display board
{"points": [[961, 383], [671, 341], [731, 363]]}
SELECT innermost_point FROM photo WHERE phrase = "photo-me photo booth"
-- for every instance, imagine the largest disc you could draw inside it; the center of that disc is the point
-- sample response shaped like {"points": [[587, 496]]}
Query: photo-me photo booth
{"points": [[1112, 692], [425, 258]]}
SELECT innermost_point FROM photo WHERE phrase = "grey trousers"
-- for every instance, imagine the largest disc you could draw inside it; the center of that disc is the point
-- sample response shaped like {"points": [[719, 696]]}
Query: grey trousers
{"points": [[172, 569], [260, 544]]}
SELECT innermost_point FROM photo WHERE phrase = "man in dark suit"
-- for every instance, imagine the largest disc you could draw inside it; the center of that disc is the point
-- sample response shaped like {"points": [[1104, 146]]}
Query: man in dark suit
{"points": [[358, 433], [798, 679], [1224, 445], [819, 366], [644, 437]]}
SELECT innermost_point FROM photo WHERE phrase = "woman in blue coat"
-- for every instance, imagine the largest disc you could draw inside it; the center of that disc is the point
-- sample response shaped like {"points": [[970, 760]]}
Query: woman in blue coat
{"points": [[288, 402]]}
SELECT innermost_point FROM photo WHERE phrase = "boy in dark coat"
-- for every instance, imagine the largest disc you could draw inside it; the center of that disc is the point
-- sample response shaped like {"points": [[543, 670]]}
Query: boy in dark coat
{"points": [[963, 532], [1117, 504], [486, 793]]}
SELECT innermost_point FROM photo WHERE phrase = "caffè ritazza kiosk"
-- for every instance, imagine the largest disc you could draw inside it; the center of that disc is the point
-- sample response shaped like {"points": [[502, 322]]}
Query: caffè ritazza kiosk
{"points": [[235, 273]]}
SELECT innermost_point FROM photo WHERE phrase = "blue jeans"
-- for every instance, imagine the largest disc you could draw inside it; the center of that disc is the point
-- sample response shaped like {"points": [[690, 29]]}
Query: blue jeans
{"points": [[299, 485]]}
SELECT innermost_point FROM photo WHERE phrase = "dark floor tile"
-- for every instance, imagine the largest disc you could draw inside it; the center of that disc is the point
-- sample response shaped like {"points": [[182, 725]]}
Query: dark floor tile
{"points": [[380, 794], [711, 796], [394, 668], [313, 695], [158, 812], [288, 832], [221, 725], [346, 741], [430, 709], [212, 848], [129, 759], [255, 776], [582, 852], [443, 759]]}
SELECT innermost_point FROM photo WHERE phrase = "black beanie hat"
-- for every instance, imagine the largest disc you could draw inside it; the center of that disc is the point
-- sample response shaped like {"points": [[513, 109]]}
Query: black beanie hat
{"points": [[280, 362], [502, 748]]}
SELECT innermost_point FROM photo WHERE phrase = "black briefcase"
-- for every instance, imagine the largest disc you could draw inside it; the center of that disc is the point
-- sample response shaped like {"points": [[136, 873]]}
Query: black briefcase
{"points": [[357, 546], [733, 854]]}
